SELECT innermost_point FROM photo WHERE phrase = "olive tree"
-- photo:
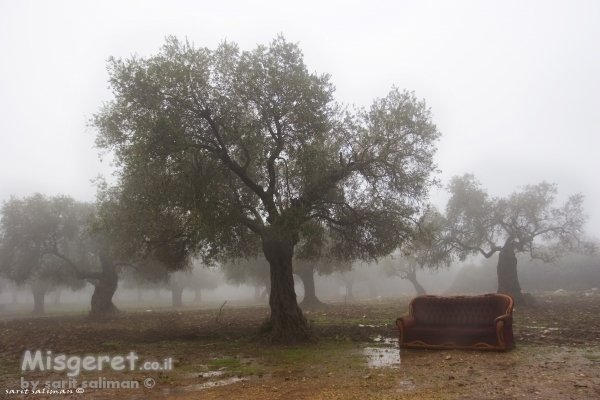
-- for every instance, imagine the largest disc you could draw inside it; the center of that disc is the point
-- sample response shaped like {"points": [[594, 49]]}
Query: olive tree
{"points": [[418, 253], [526, 221], [47, 240], [253, 154]]}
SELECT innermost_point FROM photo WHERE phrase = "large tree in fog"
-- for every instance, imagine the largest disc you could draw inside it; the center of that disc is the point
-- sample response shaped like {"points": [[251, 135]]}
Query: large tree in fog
{"points": [[526, 221], [254, 153], [47, 240]]}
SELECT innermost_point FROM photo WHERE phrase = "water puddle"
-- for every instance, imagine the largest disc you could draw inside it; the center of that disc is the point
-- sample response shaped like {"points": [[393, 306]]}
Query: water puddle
{"points": [[542, 327], [385, 355]]}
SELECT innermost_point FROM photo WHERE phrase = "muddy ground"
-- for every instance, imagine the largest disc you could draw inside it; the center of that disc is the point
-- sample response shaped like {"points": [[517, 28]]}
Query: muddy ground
{"points": [[216, 354]]}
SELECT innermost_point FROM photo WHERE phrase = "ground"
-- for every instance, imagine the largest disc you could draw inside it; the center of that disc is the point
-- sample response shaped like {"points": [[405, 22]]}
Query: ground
{"points": [[216, 354]]}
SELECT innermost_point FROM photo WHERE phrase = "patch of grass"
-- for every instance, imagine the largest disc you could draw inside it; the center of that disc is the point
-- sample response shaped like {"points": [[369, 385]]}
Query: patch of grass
{"points": [[114, 344], [10, 366], [229, 363]]}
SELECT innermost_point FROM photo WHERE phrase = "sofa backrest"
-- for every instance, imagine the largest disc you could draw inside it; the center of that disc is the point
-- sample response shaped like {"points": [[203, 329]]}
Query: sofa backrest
{"points": [[460, 310]]}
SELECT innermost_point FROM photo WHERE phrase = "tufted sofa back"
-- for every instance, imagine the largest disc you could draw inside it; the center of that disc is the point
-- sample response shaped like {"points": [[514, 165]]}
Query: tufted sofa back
{"points": [[460, 310]]}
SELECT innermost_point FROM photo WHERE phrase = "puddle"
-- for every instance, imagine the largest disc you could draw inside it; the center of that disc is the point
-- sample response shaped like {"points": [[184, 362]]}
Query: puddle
{"points": [[220, 382], [378, 357], [542, 327], [385, 356]]}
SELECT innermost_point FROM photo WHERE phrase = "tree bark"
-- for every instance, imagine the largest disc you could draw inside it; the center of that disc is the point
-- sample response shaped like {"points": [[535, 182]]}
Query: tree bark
{"points": [[38, 288], [508, 280], [308, 280], [177, 295], [106, 286], [287, 324]]}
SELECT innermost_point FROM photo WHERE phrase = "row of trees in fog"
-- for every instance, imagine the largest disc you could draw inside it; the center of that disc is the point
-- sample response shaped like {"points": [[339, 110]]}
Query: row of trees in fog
{"points": [[227, 156]]}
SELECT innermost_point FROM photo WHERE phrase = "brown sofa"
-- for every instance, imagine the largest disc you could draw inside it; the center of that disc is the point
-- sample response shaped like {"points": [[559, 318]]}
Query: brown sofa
{"points": [[460, 322]]}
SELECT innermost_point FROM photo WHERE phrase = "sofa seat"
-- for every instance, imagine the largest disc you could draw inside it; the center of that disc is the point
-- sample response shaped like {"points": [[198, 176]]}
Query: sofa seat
{"points": [[448, 335]]}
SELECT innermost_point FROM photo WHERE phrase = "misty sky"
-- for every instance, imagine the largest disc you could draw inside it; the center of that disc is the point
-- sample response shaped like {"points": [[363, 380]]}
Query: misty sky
{"points": [[514, 86]]}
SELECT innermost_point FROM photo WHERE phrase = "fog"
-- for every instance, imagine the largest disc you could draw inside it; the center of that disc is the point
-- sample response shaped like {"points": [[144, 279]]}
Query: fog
{"points": [[475, 276], [513, 86]]}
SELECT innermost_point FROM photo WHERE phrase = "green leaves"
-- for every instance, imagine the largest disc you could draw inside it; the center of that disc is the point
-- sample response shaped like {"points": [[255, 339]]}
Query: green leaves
{"points": [[235, 144]]}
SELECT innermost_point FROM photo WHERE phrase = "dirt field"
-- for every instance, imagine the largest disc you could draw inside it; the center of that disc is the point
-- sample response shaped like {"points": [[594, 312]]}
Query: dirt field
{"points": [[216, 355]]}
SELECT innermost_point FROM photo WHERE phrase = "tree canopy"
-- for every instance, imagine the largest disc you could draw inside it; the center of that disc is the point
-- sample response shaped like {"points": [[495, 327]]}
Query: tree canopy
{"points": [[249, 152], [46, 240]]}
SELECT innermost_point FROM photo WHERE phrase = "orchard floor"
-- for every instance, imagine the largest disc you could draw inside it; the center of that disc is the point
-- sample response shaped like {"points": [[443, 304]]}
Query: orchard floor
{"points": [[216, 355]]}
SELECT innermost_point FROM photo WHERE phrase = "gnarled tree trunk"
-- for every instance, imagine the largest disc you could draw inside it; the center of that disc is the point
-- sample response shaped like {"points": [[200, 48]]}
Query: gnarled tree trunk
{"points": [[105, 287], [411, 276], [38, 288], [508, 280], [287, 323], [308, 280], [197, 296]]}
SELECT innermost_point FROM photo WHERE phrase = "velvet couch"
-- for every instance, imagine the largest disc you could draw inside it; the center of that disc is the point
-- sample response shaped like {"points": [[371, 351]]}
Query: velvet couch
{"points": [[459, 322]]}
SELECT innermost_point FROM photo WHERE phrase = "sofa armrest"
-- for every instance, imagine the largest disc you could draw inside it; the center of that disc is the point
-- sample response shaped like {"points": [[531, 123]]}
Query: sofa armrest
{"points": [[406, 321], [402, 323], [506, 319], [503, 325]]}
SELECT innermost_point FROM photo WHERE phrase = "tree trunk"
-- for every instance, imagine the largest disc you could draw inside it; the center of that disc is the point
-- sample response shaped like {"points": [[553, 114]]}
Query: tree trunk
{"points": [[140, 298], [15, 297], [177, 295], [104, 289], [308, 280], [411, 276], [349, 284], [508, 280], [197, 296], [38, 288], [287, 324]]}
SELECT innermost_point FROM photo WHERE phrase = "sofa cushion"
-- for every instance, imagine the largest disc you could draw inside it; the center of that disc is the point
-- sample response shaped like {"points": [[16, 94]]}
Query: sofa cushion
{"points": [[476, 311]]}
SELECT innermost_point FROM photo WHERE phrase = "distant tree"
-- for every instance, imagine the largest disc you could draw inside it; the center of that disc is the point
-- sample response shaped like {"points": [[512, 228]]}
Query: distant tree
{"points": [[526, 221], [252, 271], [43, 241], [203, 278], [404, 268], [249, 150], [418, 253]]}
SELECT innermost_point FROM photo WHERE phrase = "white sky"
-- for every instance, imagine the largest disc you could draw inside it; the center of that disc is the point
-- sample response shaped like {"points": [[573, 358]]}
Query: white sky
{"points": [[514, 86]]}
